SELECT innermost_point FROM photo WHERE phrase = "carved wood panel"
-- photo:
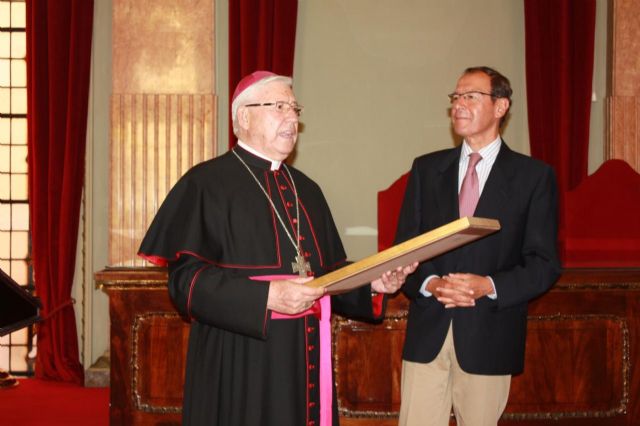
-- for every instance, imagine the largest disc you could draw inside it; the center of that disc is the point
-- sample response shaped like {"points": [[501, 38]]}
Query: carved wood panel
{"points": [[576, 366], [148, 348], [580, 367], [582, 339], [158, 361], [367, 362]]}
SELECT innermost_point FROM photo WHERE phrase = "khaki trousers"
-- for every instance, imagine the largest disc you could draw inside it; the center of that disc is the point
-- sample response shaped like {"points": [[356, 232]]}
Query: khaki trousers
{"points": [[430, 390]]}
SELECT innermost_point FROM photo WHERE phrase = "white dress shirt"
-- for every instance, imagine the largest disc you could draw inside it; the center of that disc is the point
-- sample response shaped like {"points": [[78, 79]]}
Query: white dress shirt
{"points": [[489, 154]]}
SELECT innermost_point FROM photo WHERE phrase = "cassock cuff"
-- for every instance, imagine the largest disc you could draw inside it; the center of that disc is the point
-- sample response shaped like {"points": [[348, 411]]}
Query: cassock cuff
{"points": [[377, 304]]}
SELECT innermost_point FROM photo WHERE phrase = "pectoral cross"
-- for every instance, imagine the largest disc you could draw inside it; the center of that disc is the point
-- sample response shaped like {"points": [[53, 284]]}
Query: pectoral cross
{"points": [[301, 266]]}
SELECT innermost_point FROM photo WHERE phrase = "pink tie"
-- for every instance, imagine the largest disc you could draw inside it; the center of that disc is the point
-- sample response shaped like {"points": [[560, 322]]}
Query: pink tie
{"points": [[470, 190]]}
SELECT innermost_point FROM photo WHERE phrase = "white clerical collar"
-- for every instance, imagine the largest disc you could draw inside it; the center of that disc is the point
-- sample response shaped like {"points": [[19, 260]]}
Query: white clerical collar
{"points": [[275, 165]]}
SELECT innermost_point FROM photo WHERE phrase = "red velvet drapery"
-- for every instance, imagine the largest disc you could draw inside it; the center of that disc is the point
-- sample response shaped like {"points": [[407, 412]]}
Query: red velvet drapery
{"points": [[58, 64], [559, 37], [262, 36]]}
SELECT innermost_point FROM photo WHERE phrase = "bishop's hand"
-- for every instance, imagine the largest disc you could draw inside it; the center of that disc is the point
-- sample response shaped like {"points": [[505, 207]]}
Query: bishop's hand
{"points": [[391, 281], [290, 297]]}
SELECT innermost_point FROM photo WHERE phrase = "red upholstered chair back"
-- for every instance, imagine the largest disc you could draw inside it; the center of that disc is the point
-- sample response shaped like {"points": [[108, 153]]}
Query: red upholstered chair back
{"points": [[389, 203], [602, 219]]}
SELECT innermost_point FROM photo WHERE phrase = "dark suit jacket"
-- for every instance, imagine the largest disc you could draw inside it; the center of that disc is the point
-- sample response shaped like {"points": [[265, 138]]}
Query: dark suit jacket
{"points": [[521, 193]]}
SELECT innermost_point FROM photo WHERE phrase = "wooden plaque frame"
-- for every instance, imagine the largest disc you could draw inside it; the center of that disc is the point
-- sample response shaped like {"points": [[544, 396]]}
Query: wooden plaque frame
{"points": [[426, 246]]}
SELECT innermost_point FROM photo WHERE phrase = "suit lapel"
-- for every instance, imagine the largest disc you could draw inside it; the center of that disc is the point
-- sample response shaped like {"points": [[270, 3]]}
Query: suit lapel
{"points": [[448, 186], [497, 190]]}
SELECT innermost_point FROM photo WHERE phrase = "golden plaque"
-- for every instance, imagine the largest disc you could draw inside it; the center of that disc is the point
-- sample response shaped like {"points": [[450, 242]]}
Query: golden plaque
{"points": [[426, 246]]}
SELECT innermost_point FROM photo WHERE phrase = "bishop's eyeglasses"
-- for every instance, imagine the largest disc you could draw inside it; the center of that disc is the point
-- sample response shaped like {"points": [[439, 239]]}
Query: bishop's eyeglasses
{"points": [[281, 106], [473, 96]]}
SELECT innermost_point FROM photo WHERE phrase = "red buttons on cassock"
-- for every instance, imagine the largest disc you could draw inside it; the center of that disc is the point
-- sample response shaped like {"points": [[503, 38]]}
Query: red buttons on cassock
{"points": [[283, 187], [311, 347], [289, 204], [310, 329], [301, 237], [312, 385], [307, 254], [312, 423], [312, 367], [312, 404]]}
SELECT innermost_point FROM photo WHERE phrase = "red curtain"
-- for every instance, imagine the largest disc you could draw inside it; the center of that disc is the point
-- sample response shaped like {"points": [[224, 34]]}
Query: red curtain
{"points": [[58, 65], [262, 36], [559, 38]]}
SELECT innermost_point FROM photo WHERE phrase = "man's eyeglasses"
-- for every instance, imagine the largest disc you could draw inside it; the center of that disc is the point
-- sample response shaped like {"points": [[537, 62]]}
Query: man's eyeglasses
{"points": [[473, 96], [281, 106]]}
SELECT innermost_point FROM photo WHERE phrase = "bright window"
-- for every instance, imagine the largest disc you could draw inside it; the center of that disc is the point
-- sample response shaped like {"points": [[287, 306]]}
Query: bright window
{"points": [[14, 209]]}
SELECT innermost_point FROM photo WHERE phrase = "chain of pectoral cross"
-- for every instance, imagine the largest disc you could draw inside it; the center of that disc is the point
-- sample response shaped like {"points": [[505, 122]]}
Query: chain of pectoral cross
{"points": [[301, 266]]}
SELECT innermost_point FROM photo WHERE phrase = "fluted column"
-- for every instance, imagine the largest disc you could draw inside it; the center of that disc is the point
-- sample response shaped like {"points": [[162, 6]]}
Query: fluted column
{"points": [[623, 104]]}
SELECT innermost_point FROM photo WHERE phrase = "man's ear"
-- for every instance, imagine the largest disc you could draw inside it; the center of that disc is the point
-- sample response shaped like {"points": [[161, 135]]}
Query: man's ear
{"points": [[502, 106], [243, 118]]}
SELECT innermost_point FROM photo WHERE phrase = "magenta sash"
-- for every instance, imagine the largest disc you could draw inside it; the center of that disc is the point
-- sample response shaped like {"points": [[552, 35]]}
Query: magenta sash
{"points": [[322, 310]]}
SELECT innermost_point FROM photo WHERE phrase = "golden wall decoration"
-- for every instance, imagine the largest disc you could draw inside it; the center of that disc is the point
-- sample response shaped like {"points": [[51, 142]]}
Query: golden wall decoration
{"points": [[623, 133], [163, 110], [163, 46], [155, 139], [623, 102]]}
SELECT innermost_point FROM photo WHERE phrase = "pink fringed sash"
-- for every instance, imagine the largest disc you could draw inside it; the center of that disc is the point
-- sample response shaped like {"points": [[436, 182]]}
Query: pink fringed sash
{"points": [[322, 310]]}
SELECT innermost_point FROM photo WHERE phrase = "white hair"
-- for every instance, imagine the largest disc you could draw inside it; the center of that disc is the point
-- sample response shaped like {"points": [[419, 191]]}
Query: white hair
{"points": [[248, 93]]}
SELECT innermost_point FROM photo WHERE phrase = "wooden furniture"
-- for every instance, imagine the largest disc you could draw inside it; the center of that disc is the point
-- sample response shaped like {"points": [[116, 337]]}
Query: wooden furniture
{"points": [[580, 369], [148, 348], [583, 338]]}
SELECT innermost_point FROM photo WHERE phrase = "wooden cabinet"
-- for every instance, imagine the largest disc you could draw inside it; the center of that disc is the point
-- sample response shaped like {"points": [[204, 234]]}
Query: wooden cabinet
{"points": [[582, 339], [148, 348], [581, 358]]}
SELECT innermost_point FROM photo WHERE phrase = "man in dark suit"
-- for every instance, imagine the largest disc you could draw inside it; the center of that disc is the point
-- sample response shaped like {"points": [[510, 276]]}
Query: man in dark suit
{"points": [[467, 319]]}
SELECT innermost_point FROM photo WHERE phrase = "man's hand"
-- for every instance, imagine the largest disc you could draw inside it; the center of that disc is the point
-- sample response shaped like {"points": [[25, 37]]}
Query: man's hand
{"points": [[460, 290], [391, 281], [291, 297]]}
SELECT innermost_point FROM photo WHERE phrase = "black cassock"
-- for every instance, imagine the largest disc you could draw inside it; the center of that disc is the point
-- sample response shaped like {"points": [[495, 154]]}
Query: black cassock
{"points": [[216, 229]]}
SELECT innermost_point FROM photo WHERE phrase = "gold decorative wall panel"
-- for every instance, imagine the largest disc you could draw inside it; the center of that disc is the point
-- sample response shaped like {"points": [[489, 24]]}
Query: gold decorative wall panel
{"points": [[623, 133], [163, 110], [155, 139], [623, 112], [163, 46]]}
